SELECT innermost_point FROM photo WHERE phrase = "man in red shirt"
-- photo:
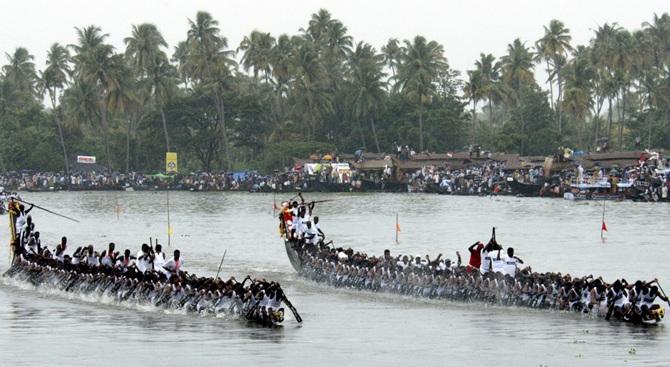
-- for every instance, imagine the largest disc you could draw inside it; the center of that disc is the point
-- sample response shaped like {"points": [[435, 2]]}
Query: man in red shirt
{"points": [[475, 257]]}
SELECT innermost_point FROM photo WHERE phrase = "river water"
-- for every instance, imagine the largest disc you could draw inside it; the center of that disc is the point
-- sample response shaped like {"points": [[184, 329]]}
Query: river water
{"points": [[341, 327]]}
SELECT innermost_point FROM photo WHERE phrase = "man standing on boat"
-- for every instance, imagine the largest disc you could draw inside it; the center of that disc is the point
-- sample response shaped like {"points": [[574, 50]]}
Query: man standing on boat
{"points": [[475, 257], [510, 264]]}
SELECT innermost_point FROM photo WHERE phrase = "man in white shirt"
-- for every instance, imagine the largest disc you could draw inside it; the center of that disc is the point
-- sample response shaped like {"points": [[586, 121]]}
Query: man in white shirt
{"points": [[497, 262], [159, 257], [510, 264], [144, 259], [310, 235], [321, 235], [126, 261], [92, 257], [174, 265], [109, 256], [487, 260]]}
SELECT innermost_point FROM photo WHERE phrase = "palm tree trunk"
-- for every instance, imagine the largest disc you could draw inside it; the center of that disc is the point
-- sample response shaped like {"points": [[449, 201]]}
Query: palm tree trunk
{"points": [[609, 119], [420, 124], [490, 112], [165, 130], [623, 116], [558, 102], [649, 130], [128, 146], [620, 115], [360, 133], [522, 150], [580, 132], [596, 128], [62, 144], [474, 120], [551, 87], [596, 121], [374, 135], [105, 133], [224, 133], [59, 127]]}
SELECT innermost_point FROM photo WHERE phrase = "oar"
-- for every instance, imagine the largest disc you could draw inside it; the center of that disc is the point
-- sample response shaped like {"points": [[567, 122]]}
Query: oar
{"points": [[610, 310], [324, 201], [661, 288], [220, 264], [46, 210], [295, 312], [252, 309]]}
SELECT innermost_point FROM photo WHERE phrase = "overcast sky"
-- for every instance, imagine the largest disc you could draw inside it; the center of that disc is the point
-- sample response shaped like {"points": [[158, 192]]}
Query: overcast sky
{"points": [[465, 28]]}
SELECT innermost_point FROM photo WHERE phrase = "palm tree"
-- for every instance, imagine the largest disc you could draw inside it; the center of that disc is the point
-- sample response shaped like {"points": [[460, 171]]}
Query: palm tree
{"points": [[392, 51], [319, 24], [20, 72], [602, 50], [161, 84], [53, 81], [311, 100], [257, 55], [157, 76], [472, 90], [184, 67], [127, 102], [659, 32], [143, 46], [553, 47], [578, 75], [420, 65], [210, 62], [97, 65], [280, 63], [517, 68], [489, 72], [337, 42], [368, 89], [88, 38], [621, 60]]}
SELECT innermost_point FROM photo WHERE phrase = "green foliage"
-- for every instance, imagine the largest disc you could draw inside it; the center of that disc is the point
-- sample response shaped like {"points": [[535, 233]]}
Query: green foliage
{"points": [[27, 140], [320, 90], [530, 130]]}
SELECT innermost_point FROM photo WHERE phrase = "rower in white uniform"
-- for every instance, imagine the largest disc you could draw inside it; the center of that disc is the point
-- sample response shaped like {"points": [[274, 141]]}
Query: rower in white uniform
{"points": [[173, 265], [159, 257]]}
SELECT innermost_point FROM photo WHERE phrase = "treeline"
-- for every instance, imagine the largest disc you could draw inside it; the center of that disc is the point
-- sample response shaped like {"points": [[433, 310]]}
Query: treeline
{"points": [[271, 98]]}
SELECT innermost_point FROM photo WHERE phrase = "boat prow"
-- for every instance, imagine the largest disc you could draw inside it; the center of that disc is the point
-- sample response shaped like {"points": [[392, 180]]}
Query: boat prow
{"points": [[293, 255]]}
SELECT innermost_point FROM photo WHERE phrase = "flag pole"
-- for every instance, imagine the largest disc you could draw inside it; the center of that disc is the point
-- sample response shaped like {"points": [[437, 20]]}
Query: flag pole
{"points": [[602, 223], [169, 228], [397, 226]]}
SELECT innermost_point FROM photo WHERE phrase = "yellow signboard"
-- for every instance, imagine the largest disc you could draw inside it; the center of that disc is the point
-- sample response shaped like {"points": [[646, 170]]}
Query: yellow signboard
{"points": [[171, 162]]}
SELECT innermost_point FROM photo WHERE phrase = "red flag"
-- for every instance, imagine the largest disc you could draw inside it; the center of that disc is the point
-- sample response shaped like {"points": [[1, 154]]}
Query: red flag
{"points": [[604, 227]]}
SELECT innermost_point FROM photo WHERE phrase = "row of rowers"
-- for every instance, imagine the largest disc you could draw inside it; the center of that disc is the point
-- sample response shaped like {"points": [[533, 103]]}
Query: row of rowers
{"points": [[148, 258], [441, 279], [297, 223], [148, 276]]}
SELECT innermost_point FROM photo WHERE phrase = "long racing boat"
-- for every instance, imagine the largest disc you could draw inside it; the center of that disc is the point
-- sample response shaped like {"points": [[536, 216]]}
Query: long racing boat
{"points": [[439, 279], [104, 277]]}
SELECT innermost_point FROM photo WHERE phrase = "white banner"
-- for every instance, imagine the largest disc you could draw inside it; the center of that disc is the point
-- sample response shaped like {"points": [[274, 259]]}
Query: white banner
{"points": [[89, 159]]}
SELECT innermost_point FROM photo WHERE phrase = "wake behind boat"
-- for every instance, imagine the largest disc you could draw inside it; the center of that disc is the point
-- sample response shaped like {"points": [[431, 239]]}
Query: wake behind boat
{"points": [[147, 279], [489, 277]]}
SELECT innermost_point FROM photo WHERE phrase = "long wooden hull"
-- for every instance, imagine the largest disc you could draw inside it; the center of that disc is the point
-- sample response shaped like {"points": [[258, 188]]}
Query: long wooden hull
{"points": [[525, 189]]}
